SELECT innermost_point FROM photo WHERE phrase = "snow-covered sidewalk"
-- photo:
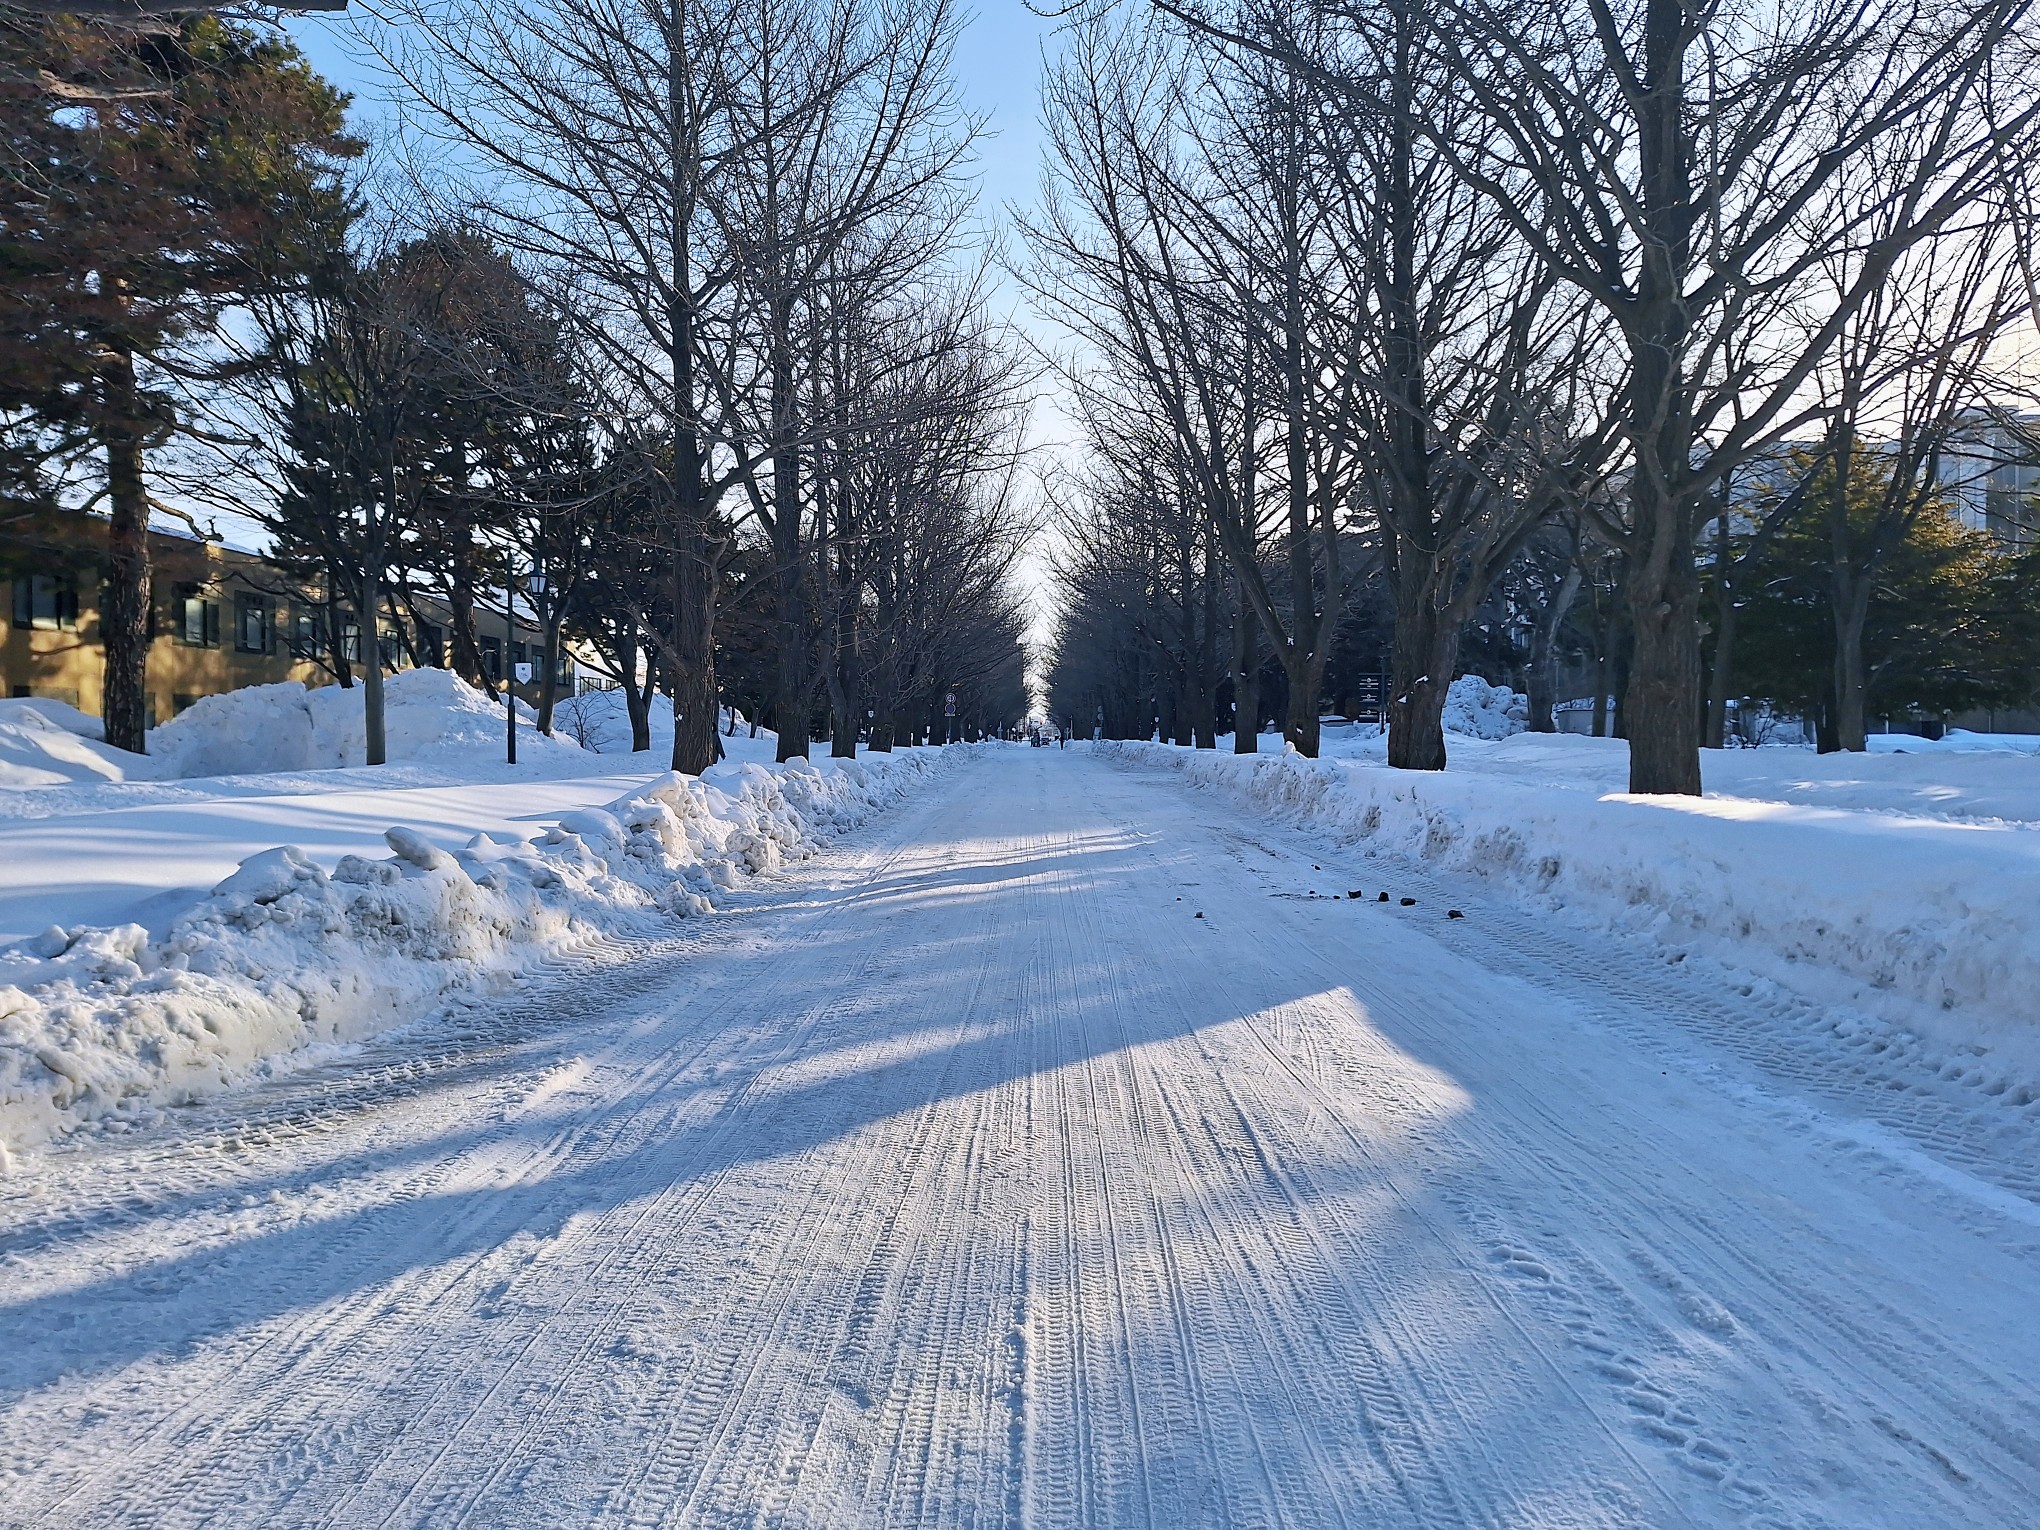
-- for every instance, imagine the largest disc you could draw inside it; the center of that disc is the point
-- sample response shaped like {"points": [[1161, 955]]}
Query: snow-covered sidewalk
{"points": [[148, 864], [1895, 888]]}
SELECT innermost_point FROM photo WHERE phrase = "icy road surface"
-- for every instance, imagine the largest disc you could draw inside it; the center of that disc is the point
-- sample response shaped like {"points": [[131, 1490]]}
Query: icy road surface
{"points": [[967, 1177]]}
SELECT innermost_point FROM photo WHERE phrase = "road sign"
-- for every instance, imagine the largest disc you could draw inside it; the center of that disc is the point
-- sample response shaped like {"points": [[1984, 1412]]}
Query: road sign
{"points": [[1368, 691], [949, 705], [523, 673]]}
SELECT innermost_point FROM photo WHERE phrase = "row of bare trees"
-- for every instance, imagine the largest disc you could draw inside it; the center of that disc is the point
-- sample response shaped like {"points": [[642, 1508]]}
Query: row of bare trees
{"points": [[448, 433], [741, 208], [1377, 290], [673, 303]]}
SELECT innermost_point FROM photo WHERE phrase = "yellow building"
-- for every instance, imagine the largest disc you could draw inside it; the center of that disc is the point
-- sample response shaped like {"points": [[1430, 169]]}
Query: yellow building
{"points": [[221, 618]]}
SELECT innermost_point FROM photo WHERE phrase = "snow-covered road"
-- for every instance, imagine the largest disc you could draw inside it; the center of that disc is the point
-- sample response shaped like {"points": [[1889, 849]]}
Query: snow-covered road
{"points": [[967, 1176]]}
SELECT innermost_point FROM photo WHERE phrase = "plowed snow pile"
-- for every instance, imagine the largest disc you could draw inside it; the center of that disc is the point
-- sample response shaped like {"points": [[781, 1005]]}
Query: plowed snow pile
{"points": [[1904, 886], [429, 714], [286, 953], [39, 747], [1480, 710]]}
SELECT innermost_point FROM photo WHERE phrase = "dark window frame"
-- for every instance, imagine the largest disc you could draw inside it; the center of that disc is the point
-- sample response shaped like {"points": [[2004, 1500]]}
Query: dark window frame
{"points": [[46, 602], [245, 603], [197, 619]]}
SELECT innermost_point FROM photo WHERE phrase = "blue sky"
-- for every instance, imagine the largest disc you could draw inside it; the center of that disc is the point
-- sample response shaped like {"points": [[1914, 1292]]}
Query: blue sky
{"points": [[998, 66]]}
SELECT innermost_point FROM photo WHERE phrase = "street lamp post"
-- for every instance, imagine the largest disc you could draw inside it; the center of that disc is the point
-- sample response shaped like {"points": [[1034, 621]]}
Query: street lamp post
{"points": [[535, 583], [509, 638]]}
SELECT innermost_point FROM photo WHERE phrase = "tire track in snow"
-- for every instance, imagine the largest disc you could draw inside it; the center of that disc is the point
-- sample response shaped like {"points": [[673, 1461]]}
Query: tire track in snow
{"points": [[977, 1184], [1914, 1364]]}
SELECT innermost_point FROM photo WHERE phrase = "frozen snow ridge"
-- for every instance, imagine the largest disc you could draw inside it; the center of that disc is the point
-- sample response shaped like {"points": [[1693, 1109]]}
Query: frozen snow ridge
{"points": [[286, 954]]}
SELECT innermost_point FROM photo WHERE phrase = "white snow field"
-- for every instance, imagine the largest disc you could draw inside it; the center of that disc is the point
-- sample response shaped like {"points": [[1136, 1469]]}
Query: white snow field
{"points": [[299, 947], [141, 839], [1064, 1147], [1900, 886]]}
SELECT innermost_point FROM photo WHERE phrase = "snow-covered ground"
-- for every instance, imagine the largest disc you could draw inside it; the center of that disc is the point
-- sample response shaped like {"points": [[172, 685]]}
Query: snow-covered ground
{"points": [[434, 722], [140, 967], [1064, 1148], [1894, 888]]}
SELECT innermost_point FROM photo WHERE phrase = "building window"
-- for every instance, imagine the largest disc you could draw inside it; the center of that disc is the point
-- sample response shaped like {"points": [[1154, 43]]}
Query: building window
{"points": [[431, 646], [67, 694], [251, 623], [492, 657], [307, 633], [350, 642], [46, 602], [198, 619]]}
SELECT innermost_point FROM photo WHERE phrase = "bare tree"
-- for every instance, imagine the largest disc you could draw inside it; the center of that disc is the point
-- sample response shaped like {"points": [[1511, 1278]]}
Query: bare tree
{"points": [[845, 193], [1485, 406], [598, 139], [1193, 258], [692, 175], [1918, 364], [1687, 167]]}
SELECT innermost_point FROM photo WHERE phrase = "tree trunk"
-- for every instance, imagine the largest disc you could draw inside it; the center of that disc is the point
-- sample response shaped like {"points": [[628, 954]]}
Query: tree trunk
{"points": [[1182, 691], [335, 640], [790, 707], [548, 680], [465, 646], [637, 705], [368, 621], [1420, 662], [882, 709], [125, 592], [1599, 725], [842, 716], [1301, 726], [1660, 711], [1720, 679], [1543, 677], [1661, 703], [1246, 666], [693, 645], [1206, 716], [637, 699], [1851, 607], [1721, 674]]}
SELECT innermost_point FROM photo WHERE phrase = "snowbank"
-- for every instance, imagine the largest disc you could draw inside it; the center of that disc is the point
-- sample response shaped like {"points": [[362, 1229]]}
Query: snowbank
{"points": [[599, 721], [1479, 710], [48, 712], [287, 953], [40, 746], [428, 714], [1955, 741], [1933, 922]]}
